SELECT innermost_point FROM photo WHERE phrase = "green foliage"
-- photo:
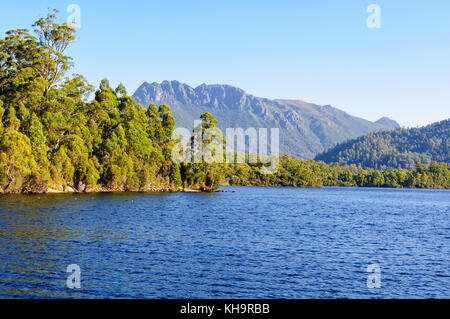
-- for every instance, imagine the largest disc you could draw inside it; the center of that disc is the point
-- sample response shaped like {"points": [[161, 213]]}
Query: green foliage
{"points": [[17, 161], [400, 148], [207, 147], [298, 173], [11, 122], [52, 136], [2, 111]]}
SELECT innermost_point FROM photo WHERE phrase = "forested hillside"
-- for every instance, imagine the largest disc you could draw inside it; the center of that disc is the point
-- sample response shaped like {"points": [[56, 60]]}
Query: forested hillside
{"points": [[400, 148], [53, 139], [306, 129]]}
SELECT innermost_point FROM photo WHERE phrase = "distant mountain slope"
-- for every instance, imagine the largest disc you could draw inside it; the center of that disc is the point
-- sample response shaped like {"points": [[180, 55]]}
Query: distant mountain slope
{"points": [[388, 123], [399, 148], [305, 129]]}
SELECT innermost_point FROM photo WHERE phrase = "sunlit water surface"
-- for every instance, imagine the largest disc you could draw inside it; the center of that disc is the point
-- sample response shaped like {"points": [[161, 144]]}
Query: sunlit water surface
{"points": [[255, 243]]}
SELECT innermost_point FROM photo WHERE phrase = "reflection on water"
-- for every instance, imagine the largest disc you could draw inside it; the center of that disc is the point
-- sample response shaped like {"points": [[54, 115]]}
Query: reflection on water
{"points": [[256, 243]]}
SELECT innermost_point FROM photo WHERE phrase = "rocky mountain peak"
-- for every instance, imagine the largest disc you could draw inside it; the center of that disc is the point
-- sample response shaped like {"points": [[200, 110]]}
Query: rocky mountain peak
{"points": [[305, 128]]}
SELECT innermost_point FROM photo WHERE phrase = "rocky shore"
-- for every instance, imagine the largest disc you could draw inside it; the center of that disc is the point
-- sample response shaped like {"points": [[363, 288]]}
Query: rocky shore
{"points": [[101, 189]]}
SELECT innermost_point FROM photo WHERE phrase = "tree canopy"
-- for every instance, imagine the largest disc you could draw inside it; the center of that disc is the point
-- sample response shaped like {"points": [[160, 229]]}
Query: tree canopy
{"points": [[400, 148], [53, 137]]}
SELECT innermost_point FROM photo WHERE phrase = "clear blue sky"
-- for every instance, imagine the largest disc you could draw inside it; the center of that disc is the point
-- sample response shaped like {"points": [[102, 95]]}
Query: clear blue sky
{"points": [[318, 51]]}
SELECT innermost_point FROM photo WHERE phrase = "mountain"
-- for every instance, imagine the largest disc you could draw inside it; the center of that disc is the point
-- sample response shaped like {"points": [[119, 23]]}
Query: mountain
{"points": [[305, 129], [399, 148], [387, 122]]}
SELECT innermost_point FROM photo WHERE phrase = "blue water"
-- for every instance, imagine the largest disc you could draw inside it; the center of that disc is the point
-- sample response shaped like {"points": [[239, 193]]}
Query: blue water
{"points": [[255, 243]]}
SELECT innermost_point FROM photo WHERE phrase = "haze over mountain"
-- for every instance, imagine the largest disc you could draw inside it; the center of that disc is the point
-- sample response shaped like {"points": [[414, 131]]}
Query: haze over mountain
{"points": [[387, 122], [306, 129], [399, 148]]}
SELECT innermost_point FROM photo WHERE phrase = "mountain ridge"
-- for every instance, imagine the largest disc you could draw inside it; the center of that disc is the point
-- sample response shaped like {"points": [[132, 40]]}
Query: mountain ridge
{"points": [[306, 129]]}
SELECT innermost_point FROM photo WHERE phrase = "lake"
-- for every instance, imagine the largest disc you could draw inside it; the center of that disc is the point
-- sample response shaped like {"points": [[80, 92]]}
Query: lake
{"points": [[255, 243]]}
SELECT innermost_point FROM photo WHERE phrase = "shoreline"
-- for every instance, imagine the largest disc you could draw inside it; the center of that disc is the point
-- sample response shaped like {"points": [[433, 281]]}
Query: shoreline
{"points": [[169, 190], [104, 190]]}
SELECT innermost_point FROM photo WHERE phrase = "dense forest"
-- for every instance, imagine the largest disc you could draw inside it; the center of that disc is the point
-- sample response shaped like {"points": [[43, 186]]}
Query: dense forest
{"points": [[53, 138], [400, 148], [299, 173]]}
